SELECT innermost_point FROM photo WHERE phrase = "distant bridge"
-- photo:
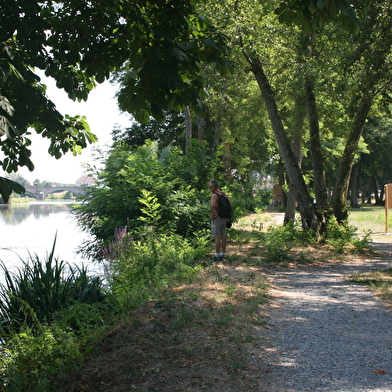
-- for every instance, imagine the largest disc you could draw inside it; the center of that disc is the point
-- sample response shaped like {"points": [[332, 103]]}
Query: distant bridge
{"points": [[40, 192]]}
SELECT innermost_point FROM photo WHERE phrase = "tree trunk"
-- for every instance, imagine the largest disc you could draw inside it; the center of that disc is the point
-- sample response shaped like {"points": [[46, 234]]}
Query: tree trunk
{"points": [[188, 129], [375, 189], [282, 182], [354, 186], [364, 190], [342, 182], [293, 170], [297, 150], [320, 184], [200, 128], [219, 117]]}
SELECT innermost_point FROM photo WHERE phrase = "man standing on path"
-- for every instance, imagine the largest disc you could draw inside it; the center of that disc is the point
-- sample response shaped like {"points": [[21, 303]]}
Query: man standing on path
{"points": [[218, 224]]}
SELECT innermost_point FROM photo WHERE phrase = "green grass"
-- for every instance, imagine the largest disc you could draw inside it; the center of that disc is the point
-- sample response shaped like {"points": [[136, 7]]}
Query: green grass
{"points": [[379, 281], [370, 217], [373, 218]]}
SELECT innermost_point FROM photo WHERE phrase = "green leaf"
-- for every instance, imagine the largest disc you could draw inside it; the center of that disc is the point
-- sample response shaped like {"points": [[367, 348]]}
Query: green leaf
{"points": [[8, 186]]}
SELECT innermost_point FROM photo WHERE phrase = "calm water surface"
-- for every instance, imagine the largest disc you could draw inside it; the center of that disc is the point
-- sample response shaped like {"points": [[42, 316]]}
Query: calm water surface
{"points": [[32, 228]]}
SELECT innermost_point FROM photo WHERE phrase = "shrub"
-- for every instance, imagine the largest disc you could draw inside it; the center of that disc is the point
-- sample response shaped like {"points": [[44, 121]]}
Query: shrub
{"points": [[30, 363], [342, 236], [40, 289], [281, 239], [81, 317], [138, 269], [262, 198], [145, 186]]}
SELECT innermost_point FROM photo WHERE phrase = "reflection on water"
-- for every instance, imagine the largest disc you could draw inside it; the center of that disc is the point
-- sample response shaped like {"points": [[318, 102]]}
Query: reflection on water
{"points": [[31, 229], [14, 215]]}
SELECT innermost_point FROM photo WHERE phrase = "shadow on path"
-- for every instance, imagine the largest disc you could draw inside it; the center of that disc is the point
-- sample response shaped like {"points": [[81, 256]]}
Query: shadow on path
{"points": [[325, 333]]}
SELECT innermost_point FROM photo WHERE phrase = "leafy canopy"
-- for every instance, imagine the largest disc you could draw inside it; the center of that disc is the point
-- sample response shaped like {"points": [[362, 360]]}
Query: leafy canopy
{"points": [[79, 43]]}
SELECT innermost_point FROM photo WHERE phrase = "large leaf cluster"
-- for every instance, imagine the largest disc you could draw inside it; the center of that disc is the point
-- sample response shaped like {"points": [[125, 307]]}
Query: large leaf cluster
{"points": [[167, 133], [313, 15], [79, 43]]}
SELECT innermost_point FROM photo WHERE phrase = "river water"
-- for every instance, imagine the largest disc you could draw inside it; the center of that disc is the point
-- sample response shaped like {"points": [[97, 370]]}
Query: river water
{"points": [[31, 228]]}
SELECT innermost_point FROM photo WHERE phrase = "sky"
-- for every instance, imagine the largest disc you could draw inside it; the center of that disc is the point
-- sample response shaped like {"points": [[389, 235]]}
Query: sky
{"points": [[102, 115]]}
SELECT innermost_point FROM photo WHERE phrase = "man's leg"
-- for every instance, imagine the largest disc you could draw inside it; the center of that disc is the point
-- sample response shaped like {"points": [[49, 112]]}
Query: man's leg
{"points": [[217, 244], [223, 243]]}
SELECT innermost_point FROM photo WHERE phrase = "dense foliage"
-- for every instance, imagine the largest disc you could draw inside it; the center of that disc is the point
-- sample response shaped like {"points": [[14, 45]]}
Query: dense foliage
{"points": [[79, 44], [143, 187], [38, 290]]}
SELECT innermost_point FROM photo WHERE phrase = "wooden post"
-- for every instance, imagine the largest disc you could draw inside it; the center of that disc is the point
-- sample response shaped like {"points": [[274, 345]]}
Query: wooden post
{"points": [[386, 208], [388, 203]]}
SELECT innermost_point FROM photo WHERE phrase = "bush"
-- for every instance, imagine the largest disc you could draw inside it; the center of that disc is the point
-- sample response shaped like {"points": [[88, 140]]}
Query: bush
{"points": [[342, 236], [40, 289], [81, 318], [138, 269], [281, 239], [278, 242], [167, 185], [263, 198], [30, 363]]}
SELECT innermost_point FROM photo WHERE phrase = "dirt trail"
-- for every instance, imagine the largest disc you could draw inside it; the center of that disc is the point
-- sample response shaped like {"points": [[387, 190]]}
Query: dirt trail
{"points": [[325, 333]]}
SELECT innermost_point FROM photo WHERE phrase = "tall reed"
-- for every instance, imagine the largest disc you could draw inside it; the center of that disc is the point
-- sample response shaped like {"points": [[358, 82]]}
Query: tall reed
{"points": [[38, 289]]}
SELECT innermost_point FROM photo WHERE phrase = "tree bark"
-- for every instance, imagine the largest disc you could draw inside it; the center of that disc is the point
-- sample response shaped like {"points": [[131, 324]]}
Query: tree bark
{"points": [[297, 150], [342, 182], [200, 127], [375, 190], [319, 180], [219, 118], [293, 170], [282, 182], [354, 186], [188, 129]]}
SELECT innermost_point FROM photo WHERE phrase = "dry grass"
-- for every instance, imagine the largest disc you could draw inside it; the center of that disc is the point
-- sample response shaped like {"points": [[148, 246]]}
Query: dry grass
{"points": [[380, 282], [195, 338]]}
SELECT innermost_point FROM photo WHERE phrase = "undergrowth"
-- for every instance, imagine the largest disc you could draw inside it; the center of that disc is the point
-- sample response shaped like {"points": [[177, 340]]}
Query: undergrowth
{"points": [[165, 317]]}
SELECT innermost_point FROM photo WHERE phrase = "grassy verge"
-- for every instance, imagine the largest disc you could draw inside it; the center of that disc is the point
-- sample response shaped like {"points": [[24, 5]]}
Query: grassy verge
{"points": [[370, 217], [195, 337], [380, 282], [373, 218]]}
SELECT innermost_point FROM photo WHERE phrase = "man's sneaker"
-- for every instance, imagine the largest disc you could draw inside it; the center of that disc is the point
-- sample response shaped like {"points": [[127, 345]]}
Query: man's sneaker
{"points": [[215, 258]]}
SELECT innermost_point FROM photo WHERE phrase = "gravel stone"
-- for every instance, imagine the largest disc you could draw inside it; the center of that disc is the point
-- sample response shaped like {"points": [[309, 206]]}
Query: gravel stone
{"points": [[325, 333]]}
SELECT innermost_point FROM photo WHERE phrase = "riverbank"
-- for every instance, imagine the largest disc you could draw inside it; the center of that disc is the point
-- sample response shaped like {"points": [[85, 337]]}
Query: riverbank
{"points": [[213, 334]]}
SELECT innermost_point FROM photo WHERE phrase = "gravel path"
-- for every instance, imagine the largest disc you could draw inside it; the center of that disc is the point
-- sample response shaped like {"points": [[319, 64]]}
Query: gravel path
{"points": [[325, 333]]}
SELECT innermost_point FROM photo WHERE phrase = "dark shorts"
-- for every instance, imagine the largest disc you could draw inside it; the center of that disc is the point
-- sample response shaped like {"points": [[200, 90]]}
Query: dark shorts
{"points": [[218, 227]]}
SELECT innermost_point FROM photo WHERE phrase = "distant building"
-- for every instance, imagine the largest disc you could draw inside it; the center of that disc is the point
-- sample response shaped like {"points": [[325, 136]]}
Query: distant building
{"points": [[86, 180]]}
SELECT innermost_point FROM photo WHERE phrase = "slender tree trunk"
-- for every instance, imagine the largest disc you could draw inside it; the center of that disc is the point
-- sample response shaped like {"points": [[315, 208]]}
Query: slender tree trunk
{"points": [[363, 192], [282, 182], [354, 186], [293, 170], [219, 118], [188, 129], [320, 184], [343, 180], [297, 150], [369, 196], [200, 127], [375, 188]]}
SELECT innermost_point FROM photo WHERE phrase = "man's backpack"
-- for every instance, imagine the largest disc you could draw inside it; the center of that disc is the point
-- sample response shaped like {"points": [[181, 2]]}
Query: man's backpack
{"points": [[224, 207]]}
